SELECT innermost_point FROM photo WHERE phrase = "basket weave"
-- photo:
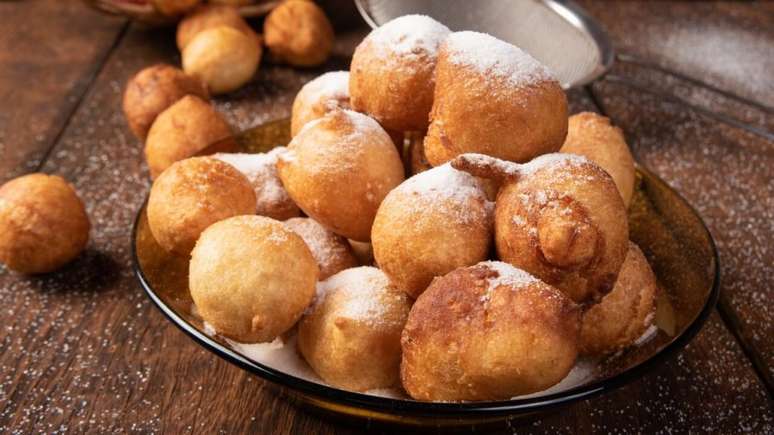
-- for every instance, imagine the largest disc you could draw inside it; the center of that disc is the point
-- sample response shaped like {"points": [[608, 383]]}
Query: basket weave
{"points": [[143, 10]]}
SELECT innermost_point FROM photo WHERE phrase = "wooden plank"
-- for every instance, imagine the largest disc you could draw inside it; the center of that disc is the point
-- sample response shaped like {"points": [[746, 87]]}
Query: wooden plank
{"points": [[717, 151], [45, 68], [727, 44], [84, 350]]}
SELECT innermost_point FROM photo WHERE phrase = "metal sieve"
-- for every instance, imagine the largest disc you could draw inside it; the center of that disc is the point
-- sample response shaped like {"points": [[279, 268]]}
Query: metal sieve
{"points": [[556, 32]]}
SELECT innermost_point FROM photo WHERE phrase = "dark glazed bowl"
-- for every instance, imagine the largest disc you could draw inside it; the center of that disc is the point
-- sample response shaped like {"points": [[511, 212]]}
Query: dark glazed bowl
{"points": [[670, 233]]}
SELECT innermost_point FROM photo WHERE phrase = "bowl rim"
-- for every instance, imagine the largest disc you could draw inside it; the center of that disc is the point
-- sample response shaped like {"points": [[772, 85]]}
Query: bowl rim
{"points": [[414, 408]]}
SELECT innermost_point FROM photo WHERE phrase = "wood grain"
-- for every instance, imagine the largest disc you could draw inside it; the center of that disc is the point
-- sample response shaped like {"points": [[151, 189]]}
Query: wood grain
{"points": [[45, 67], [83, 350], [717, 151]]}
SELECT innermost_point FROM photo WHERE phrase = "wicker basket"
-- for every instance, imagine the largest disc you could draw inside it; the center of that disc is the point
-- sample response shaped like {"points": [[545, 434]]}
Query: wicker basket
{"points": [[143, 10]]}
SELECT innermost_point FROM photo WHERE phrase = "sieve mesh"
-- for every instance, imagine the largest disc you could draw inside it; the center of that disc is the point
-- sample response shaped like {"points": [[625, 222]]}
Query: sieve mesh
{"points": [[556, 33]]}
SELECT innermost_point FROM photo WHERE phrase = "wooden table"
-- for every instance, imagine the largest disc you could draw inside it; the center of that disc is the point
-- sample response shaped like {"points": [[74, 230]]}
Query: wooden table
{"points": [[83, 349]]}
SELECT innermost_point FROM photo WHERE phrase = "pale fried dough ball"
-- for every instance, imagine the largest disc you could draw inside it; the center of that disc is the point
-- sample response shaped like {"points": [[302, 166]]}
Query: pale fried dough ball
{"points": [[206, 17], [153, 90], [173, 8], [43, 224], [338, 170], [561, 219], [624, 314], [193, 194], [325, 93], [431, 224], [223, 58], [251, 278], [488, 332], [392, 75], [183, 130], [494, 99], [332, 252], [593, 136], [299, 33], [272, 200], [351, 334]]}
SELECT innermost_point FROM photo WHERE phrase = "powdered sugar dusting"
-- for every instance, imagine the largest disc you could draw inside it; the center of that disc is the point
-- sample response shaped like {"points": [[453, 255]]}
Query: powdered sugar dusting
{"points": [[331, 88], [493, 57], [327, 247], [363, 291], [446, 185], [261, 171], [410, 35], [507, 275], [554, 160]]}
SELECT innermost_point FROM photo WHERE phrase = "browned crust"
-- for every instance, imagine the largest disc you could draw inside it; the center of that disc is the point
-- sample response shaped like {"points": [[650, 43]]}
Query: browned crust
{"points": [[463, 342]]}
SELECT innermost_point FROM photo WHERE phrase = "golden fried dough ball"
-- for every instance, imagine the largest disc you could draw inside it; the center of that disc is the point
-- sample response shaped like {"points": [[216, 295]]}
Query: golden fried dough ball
{"points": [[431, 224], [43, 224], [299, 33], [173, 8], [325, 93], [338, 170], [351, 334], [193, 194], [206, 17], [393, 72], [624, 314], [153, 90], [593, 136], [251, 278], [222, 57], [560, 218], [271, 198], [183, 130], [332, 252], [494, 99], [488, 332]]}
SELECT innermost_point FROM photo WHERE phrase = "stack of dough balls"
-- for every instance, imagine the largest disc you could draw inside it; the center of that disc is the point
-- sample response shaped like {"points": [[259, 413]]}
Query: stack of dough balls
{"points": [[494, 266], [43, 223]]}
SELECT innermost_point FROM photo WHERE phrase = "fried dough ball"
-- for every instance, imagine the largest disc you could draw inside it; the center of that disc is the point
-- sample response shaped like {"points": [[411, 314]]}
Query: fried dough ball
{"points": [[207, 17], [488, 332], [494, 99], [332, 252], [298, 32], [271, 198], [351, 334], [624, 314], [393, 72], [172, 8], [560, 218], [193, 194], [183, 130], [152, 90], [251, 278], [338, 170], [43, 224], [431, 224], [325, 93], [593, 136], [222, 57]]}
